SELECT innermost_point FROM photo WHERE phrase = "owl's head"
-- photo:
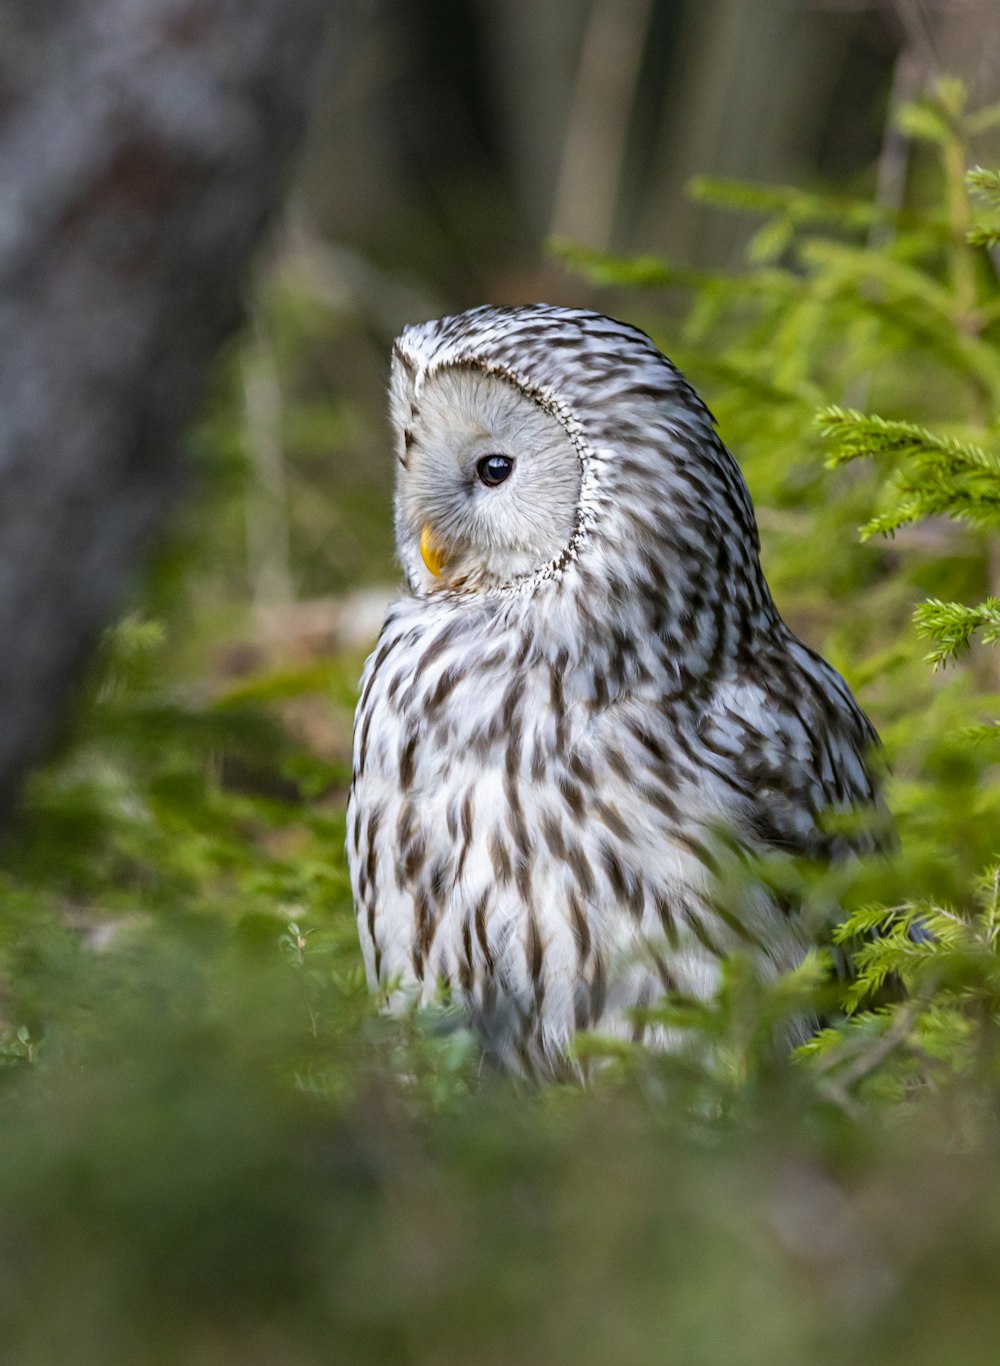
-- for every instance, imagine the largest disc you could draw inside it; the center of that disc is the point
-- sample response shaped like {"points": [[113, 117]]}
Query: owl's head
{"points": [[488, 485], [537, 440]]}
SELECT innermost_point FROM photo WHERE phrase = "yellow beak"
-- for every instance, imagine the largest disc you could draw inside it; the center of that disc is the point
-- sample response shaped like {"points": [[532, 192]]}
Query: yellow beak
{"points": [[432, 554]]}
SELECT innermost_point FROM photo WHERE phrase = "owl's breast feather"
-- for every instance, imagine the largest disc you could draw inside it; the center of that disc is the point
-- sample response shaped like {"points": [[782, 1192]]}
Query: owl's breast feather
{"points": [[519, 844]]}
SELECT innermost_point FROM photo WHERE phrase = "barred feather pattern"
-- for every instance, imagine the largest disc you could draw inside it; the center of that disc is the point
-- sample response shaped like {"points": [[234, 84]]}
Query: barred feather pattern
{"points": [[548, 770]]}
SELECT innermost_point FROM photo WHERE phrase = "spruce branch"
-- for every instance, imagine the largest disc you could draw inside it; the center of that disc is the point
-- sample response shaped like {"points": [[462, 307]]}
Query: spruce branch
{"points": [[637, 272], [982, 733], [799, 207], [652, 272], [869, 1059], [839, 265], [953, 626], [986, 182], [986, 185], [859, 435], [983, 236]]}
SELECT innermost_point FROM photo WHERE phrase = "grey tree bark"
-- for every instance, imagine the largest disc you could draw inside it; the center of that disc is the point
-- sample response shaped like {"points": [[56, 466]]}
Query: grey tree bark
{"points": [[144, 146]]}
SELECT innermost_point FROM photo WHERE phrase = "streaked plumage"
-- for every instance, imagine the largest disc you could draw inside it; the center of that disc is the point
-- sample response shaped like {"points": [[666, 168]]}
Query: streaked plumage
{"points": [[555, 729]]}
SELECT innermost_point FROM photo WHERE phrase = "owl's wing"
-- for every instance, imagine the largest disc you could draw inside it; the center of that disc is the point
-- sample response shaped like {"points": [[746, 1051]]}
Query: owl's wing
{"points": [[791, 741]]}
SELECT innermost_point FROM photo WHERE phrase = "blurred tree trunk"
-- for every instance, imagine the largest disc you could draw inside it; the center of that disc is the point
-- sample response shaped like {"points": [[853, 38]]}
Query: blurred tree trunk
{"points": [[589, 185], [144, 145], [759, 86], [534, 47], [752, 79]]}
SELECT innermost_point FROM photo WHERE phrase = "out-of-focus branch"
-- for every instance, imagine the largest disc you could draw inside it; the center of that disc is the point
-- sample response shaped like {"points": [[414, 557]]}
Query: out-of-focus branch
{"points": [[140, 165]]}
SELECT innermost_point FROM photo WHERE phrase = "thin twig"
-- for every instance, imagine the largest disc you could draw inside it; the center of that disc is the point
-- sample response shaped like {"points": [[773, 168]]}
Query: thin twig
{"points": [[868, 1061]]}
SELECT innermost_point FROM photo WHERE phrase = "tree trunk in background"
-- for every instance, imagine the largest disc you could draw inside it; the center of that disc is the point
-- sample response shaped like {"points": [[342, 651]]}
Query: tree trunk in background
{"points": [[751, 84], [758, 84], [589, 185], [968, 45], [533, 51], [144, 147]]}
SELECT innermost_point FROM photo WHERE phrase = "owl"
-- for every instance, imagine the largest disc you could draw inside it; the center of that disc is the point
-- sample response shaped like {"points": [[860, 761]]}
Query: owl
{"points": [[584, 700]]}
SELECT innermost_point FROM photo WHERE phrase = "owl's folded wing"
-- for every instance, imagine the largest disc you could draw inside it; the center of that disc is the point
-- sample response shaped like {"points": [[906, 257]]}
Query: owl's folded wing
{"points": [[799, 757]]}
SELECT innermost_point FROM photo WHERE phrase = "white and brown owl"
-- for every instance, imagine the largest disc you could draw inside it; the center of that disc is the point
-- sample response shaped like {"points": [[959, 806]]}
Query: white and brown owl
{"points": [[583, 683]]}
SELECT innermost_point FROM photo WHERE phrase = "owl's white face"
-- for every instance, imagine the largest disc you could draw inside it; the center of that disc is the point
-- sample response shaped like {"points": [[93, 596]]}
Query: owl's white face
{"points": [[488, 485]]}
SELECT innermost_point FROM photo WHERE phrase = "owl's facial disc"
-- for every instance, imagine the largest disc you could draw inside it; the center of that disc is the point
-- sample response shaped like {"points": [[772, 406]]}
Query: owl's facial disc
{"points": [[488, 485]]}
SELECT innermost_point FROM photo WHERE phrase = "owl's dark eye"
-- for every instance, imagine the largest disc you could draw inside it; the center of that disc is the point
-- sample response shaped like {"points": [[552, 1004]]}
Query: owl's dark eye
{"points": [[494, 469]]}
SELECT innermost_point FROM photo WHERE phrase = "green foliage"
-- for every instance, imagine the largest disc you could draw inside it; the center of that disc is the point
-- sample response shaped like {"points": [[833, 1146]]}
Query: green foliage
{"points": [[953, 625], [932, 475], [217, 1151]]}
